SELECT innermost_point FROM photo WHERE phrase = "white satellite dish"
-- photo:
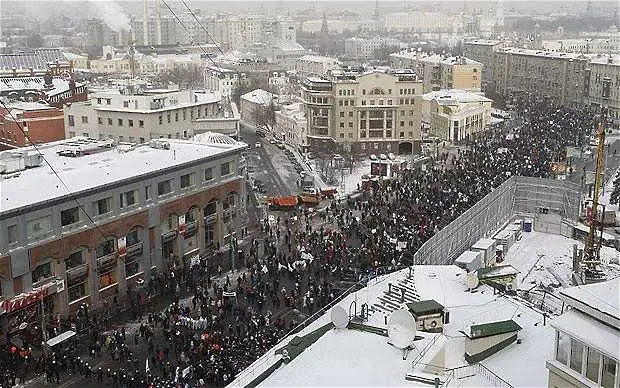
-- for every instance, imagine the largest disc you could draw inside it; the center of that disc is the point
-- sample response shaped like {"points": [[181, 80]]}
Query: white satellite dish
{"points": [[340, 318], [401, 329], [472, 280]]}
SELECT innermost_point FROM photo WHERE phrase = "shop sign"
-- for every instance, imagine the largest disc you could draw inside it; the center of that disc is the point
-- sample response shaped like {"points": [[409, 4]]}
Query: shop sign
{"points": [[23, 300]]}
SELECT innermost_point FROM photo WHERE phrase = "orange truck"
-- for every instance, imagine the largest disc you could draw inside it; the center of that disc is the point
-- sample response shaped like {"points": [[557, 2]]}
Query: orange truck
{"points": [[282, 202]]}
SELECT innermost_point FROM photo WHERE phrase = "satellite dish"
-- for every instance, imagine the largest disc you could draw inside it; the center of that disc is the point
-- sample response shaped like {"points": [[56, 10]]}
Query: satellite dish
{"points": [[472, 280], [23, 326], [340, 318], [401, 329]]}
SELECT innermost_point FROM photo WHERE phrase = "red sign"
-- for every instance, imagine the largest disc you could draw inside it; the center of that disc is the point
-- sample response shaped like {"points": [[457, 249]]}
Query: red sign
{"points": [[23, 300]]}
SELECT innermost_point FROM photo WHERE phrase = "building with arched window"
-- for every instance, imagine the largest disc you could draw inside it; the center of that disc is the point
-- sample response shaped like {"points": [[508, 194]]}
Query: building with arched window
{"points": [[110, 217]]}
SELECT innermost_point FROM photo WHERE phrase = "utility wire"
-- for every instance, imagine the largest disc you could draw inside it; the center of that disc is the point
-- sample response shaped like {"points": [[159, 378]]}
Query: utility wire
{"points": [[73, 197], [209, 36], [187, 31]]}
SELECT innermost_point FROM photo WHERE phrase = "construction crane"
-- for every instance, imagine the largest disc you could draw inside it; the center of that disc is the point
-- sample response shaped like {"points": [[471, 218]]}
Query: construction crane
{"points": [[590, 263]]}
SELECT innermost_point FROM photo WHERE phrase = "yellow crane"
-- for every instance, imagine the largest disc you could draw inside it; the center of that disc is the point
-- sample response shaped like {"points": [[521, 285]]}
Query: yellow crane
{"points": [[591, 270]]}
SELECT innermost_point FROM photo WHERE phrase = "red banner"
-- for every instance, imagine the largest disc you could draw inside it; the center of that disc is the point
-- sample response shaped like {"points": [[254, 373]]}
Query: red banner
{"points": [[23, 300]]}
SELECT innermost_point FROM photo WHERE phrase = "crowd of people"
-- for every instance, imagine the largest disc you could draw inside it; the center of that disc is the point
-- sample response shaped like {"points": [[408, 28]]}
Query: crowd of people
{"points": [[304, 261]]}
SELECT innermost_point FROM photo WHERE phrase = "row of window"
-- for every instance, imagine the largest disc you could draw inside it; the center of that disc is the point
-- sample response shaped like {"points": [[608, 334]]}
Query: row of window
{"points": [[586, 361], [41, 226], [120, 122]]}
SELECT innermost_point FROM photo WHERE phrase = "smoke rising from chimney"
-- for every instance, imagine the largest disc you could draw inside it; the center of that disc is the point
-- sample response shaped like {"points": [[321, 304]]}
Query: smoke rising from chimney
{"points": [[111, 13]]}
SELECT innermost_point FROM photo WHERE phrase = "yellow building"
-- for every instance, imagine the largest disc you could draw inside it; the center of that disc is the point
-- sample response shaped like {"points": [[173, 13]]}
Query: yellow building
{"points": [[441, 71], [456, 115], [370, 112]]}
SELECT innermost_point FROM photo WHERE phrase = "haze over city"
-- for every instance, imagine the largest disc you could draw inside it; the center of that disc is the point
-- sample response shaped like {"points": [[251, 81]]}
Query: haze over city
{"points": [[309, 193]]}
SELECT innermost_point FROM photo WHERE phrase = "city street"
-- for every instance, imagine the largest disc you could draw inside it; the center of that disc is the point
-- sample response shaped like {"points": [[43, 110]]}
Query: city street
{"points": [[268, 164]]}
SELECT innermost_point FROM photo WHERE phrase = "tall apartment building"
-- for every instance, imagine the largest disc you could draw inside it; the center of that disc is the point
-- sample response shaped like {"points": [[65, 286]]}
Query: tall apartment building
{"points": [[367, 48], [441, 71], [602, 84], [137, 118], [559, 77], [367, 113], [587, 337], [432, 22], [154, 205], [609, 45], [236, 32], [483, 51]]}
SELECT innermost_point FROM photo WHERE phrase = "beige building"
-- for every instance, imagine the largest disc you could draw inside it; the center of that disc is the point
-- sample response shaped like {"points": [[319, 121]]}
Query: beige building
{"points": [[315, 64], [291, 121], [138, 118], [120, 63], [239, 32], [368, 48], [456, 115], [587, 342], [368, 113], [441, 71]]}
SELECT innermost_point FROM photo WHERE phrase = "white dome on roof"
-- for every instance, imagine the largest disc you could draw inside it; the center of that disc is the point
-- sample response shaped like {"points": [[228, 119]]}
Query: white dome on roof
{"points": [[214, 138]]}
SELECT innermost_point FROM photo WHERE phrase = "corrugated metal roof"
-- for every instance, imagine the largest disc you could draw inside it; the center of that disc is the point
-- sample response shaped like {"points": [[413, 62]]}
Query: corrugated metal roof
{"points": [[35, 59]]}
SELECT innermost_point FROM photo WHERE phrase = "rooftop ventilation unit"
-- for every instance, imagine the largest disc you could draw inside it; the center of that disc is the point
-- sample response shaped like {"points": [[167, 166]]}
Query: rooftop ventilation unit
{"points": [[84, 146]]}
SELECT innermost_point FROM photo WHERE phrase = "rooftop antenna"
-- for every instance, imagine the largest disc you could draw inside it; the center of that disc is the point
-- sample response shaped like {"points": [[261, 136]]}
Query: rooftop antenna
{"points": [[402, 330]]}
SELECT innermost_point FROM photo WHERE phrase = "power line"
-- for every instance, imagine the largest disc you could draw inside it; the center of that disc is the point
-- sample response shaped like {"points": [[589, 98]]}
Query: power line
{"points": [[73, 197], [187, 31], [209, 36]]}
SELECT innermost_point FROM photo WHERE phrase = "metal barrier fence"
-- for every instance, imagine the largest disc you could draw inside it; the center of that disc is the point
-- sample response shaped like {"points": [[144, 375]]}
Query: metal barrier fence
{"points": [[546, 201], [479, 221]]}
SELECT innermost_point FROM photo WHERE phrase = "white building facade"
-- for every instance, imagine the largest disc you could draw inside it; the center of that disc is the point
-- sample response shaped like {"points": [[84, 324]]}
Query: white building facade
{"points": [[138, 118]]}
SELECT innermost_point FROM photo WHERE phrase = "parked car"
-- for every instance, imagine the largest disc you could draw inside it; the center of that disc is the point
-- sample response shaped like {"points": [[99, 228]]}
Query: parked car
{"points": [[272, 141], [281, 146], [257, 145]]}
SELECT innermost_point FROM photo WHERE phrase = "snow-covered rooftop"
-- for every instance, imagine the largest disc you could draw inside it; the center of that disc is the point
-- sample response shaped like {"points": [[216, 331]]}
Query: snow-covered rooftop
{"points": [[97, 169], [604, 296], [355, 358], [35, 83], [458, 95], [259, 96]]}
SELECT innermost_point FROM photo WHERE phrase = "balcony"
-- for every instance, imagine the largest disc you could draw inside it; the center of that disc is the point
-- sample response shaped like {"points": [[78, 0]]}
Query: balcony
{"points": [[106, 261], [168, 236], [191, 228], [210, 218], [134, 250], [78, 272]]}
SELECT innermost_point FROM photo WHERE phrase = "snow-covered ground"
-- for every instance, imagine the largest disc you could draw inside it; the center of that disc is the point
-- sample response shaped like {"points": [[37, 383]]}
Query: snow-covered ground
{"points": [[349, 357], [546, 259]]}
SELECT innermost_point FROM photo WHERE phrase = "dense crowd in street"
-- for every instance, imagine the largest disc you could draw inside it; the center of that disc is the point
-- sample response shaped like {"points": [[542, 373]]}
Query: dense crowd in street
{"points": [[227, 322]]}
